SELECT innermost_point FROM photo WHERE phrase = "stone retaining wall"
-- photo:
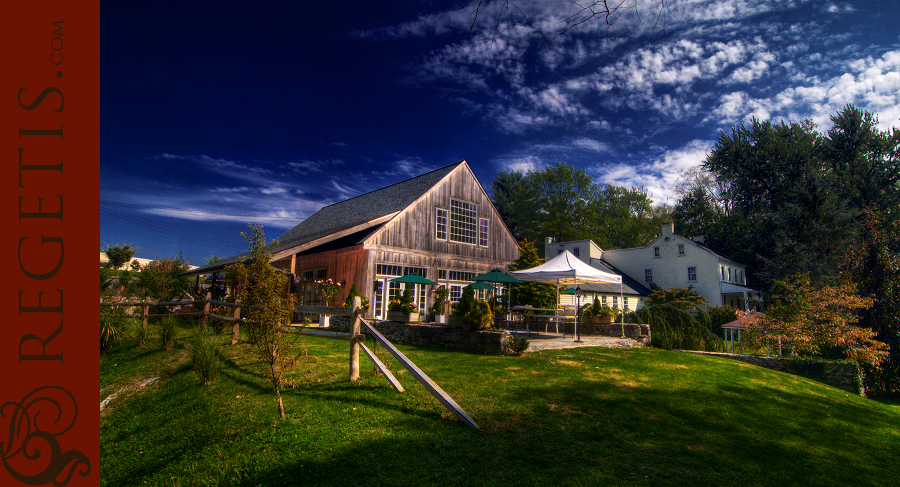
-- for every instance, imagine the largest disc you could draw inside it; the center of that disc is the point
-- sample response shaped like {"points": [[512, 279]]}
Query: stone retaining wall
{"points": [[492, 342], [841, 374]]}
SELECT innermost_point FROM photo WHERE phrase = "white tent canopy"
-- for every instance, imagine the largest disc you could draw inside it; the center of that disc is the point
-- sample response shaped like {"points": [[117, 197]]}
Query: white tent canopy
{"points": [[565, 269]]}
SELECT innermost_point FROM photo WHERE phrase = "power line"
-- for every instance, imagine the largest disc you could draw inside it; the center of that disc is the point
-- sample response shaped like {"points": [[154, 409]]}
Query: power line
{"points": [[172, 232]]}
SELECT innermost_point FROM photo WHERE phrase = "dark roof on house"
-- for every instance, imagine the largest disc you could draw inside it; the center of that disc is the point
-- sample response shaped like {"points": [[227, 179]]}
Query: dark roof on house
{"points": [[629, 285], [350, 213]]}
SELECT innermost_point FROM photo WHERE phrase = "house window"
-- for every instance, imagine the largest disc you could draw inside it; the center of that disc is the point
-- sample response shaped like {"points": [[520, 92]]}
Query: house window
{"points": [[692, 274], [680, 249], [463, 222], [483, 232], [440, 226], [655, 252], [648, 275], [576, 251]]}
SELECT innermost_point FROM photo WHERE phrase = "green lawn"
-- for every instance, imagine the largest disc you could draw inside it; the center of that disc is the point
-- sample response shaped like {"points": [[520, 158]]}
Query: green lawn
{"points": [[570, 417]]}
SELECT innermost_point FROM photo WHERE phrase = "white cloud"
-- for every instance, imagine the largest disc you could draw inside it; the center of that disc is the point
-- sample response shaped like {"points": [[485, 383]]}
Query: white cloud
{"points": [[870, 83], [659, 175]]}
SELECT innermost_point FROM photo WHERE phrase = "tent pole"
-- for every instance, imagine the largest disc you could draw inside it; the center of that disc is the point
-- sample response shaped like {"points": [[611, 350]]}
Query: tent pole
{"points": [[622, 297]]}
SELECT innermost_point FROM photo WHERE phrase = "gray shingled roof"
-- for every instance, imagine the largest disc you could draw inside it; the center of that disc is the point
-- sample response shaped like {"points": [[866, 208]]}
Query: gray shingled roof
{"points": [[629, 285], [351, 212]]}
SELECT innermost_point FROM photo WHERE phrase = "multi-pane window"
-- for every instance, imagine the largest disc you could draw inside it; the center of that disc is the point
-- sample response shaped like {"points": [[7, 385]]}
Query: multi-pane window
{"points": [[648, 275], [692, 274], [463, 222], [461, 276], [440, 227], [680, 249], [483, 232], [314, 275], [655, 252], [455, 293]]}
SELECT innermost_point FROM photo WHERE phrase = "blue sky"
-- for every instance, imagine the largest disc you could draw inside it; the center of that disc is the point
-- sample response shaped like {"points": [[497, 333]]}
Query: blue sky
{"points": [[213, 116]]}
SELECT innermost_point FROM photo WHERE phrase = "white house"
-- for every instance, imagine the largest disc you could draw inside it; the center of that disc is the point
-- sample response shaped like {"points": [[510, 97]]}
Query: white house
{"points": [[670, 261]]}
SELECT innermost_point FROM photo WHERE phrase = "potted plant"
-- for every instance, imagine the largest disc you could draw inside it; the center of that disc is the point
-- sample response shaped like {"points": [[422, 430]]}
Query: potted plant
{"points": [[441, 298], [327, 290], [403, 309], [597, 313]]}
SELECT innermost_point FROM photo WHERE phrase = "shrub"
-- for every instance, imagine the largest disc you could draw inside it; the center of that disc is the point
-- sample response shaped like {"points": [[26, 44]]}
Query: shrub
{"points": [[720, 315], [113, 324], [404, 304], [168, 327], [204, 359], [518, 344], [675, 328], [475, 314]]}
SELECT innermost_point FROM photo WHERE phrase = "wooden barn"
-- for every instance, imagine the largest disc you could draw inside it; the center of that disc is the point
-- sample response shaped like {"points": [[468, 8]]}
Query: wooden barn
{"points": [[441, 225]]}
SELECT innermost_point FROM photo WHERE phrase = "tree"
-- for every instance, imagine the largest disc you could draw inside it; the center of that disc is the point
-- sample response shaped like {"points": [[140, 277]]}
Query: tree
{"points": [[682, 298], [778, 182], [873, 264], [118, 255], [865, 161], [819, 322], [531, 293], [509, 197], [623, 218], [563, 203], [160, 279], [261, 290]]}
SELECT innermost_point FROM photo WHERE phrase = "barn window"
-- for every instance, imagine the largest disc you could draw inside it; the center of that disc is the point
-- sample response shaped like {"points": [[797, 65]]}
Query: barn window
{"points": [[463, 222], [440, 232]]}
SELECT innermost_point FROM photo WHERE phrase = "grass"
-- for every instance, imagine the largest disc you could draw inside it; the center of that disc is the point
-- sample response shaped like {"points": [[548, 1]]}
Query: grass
{"points": [[586, 416]]}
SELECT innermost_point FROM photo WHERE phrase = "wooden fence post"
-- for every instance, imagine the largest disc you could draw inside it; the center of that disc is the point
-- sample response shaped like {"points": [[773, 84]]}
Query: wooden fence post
{"points": [[146, 311], [205, 316], [355, 325], [236, 329]]}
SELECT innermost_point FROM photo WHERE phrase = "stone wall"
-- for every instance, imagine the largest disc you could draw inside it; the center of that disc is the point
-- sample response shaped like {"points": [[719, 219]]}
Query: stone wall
{"points": [[844, 374], [492, 342], [637, 332]]}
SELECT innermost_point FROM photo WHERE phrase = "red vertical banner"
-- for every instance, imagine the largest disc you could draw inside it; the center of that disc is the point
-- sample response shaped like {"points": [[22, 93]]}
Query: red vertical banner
{"points": [[49, 347]]}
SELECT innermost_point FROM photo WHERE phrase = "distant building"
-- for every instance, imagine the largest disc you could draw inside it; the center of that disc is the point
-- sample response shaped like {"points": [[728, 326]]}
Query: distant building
{"points": [[670, 261]]}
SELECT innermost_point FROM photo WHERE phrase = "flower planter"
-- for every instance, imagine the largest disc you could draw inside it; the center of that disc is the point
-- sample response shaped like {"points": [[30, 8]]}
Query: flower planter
{"points": [[403, 317]]}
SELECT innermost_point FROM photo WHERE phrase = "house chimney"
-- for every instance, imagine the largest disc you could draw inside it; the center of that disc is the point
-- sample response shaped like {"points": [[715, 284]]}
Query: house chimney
{"points": [[668, 229]]}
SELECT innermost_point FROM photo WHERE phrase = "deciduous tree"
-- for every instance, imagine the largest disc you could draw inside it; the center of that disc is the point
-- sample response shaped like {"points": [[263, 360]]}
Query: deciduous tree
{"points": [[261, 289], [818, 322]]}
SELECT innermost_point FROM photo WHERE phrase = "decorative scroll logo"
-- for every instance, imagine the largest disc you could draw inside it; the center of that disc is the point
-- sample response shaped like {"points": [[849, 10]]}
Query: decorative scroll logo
{"points": [[35, 422]]}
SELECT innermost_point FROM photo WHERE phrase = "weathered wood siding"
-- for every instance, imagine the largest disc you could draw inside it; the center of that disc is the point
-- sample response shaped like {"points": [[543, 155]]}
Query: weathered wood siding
{"points": [[414, 229], [345, 266]]}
